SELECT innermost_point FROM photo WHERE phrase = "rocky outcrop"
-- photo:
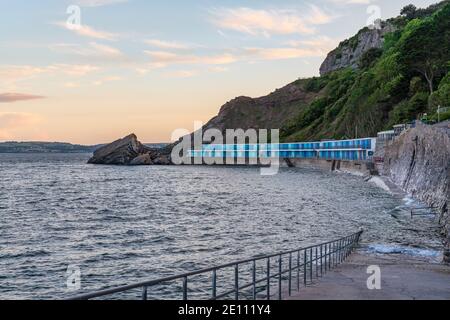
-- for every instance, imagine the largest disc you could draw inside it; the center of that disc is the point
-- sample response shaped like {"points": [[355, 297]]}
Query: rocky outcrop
{"points": [[419, 162], [350, 51], [129, 151], [267, 112]]}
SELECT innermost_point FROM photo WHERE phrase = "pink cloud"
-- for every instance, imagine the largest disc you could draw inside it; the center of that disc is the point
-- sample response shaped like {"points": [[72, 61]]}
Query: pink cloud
{"points": [[14, 97]]}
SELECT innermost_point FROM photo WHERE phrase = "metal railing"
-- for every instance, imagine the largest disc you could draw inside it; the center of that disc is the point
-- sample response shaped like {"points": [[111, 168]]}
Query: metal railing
{"points": [[303, 265], [424, 211]]}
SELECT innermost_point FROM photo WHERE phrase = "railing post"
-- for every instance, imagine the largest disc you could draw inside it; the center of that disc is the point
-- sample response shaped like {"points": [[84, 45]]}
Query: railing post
{"points": [[321, 261], [268, 278], [330, 257], [144, 293], [298, 270], [334, 254], [336, 261], [290, 274], [279, 279], [254, 279], [326, 252], [236, 282], [185, 282], [317, 263], [214, 284], [349, 243], [311, 264], [305, 257]]}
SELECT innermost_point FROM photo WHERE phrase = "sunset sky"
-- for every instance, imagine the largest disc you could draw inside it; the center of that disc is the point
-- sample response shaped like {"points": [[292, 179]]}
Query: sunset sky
{"points": [[150, 67]]}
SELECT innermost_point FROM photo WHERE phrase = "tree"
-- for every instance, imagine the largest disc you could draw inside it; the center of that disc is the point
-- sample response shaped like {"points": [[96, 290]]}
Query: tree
{"points": [[425, 48], [409, 11]]}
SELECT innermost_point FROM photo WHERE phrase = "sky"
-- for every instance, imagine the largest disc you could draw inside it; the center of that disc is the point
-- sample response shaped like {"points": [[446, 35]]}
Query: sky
{"points": [[91, 71]]}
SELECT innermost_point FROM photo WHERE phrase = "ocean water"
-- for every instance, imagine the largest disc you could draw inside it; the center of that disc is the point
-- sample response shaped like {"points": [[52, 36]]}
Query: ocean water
{"points": [[122, 225]]}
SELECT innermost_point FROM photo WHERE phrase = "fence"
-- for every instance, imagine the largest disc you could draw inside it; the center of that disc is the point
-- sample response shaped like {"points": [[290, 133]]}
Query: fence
{"points": [[303, 265]]}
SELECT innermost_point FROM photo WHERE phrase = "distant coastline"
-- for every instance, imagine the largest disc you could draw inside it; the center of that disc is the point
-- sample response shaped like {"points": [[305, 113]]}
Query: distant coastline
{"points": [[55, 147]]}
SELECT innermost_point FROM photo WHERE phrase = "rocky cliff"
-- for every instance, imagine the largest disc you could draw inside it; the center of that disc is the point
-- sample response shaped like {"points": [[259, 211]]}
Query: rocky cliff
{"points": [[349, 52], [129, 151], [419, 162], [268, 112]]}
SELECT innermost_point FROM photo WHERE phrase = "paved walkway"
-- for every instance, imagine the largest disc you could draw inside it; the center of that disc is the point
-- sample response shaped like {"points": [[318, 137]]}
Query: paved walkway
{"points": [[402, 278]]}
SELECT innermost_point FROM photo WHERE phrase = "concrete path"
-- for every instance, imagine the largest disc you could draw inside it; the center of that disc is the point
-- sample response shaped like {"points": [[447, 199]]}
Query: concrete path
{"points": [[402, 278]]}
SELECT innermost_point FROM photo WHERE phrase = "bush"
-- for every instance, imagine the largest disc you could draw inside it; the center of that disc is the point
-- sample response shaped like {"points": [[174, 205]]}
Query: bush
{"points": [[369, 58], [316, 84]]}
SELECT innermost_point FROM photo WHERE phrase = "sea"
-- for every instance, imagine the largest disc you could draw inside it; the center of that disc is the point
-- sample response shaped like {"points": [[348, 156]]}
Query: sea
{"points": [[118, 225]]}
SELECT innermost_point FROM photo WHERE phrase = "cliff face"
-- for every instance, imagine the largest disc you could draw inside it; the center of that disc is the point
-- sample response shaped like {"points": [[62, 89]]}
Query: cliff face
{"points": [[349, 52], [419, 162], [268, 112]]}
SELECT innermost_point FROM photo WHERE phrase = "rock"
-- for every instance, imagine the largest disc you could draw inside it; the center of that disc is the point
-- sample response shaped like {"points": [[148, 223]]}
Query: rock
{"points": [[419, 162], [350, 51], [120, 152], [129, 151], [162, 160], [141, 160]]}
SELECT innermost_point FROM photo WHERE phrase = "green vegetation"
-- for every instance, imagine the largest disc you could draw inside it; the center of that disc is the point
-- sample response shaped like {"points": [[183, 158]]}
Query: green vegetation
{"points": [[399, 83]]}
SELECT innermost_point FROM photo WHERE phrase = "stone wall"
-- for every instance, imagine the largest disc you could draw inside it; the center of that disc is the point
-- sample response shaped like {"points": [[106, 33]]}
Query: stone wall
{"points": [[354, 167], [419, 162]]}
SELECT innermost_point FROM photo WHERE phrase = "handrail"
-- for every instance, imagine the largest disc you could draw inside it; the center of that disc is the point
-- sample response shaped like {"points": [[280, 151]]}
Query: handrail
{"points": [[331, 253], [431, 211]]}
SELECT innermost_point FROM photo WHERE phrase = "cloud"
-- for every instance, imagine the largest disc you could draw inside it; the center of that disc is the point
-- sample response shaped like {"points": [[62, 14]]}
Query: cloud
{"points": [[99, 3], [166, 44], [11, 75], [181, 74], [352, 1], [218, 69], [13, 121], [162, 59], [310, 47], [269, 22], [105, 80], [17, 71], [14, 97], [305, 48], [93, 50], [77, 70], [86, 31], [282, 53], [322, 43]]}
